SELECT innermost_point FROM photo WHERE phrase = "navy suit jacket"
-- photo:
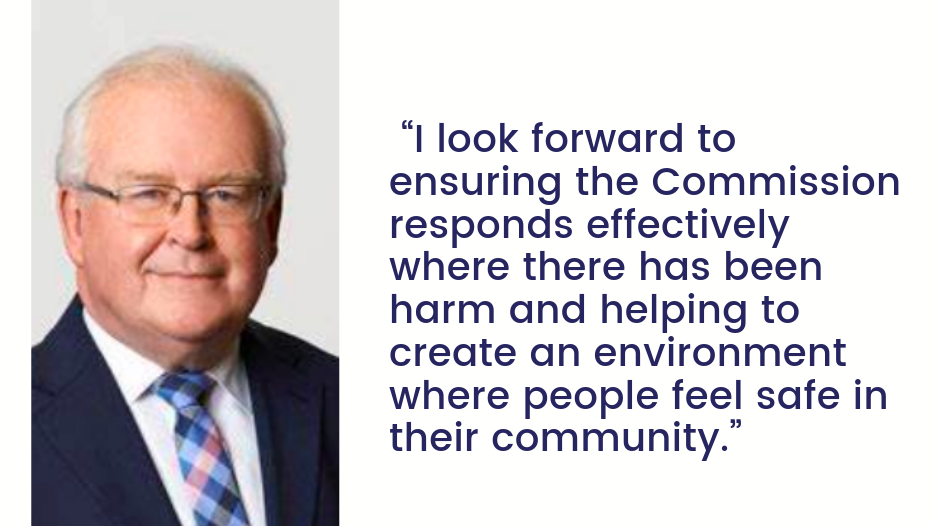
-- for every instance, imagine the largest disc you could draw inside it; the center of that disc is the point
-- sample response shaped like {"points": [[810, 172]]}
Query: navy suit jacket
{"points": [[90, 465]]}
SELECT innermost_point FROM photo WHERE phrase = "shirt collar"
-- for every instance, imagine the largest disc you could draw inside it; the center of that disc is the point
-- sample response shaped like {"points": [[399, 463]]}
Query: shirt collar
{"points": [[135, 373]]}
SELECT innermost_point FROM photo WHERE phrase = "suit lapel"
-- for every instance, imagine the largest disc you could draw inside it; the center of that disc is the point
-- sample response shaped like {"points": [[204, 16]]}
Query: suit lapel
{"points": [[89, 424], [288, 413]]}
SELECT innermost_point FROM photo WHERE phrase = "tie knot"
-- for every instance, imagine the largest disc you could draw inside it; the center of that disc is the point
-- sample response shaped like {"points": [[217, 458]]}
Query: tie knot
{"points": [[183, 389]]}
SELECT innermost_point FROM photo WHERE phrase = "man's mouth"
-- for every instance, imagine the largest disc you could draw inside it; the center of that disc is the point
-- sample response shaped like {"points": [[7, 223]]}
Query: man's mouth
{"points": [[186, 275]]}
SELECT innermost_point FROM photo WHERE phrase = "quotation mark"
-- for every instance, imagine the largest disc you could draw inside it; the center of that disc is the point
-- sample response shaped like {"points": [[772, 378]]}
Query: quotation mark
{"points": [[407, 125], [732, 423]]}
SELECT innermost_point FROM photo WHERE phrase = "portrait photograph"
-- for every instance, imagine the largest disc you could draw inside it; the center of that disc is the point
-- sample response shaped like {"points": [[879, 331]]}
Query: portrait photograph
{"points": [[185, 264]]}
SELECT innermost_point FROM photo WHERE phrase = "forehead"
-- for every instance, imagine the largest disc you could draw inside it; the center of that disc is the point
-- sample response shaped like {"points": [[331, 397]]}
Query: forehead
{"points": [[190, 131]]}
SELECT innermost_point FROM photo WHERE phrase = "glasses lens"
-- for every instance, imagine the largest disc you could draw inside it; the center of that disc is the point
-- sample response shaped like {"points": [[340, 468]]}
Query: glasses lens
{"points": [[148, 204], [233, 204]]}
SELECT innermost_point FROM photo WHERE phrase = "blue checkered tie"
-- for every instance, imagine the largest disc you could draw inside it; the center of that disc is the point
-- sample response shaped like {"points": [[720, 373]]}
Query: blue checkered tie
{"points": [[206, 466]]}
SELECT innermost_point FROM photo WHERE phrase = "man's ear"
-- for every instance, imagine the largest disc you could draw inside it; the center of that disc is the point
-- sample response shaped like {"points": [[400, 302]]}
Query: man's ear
{"points": [[69, 219], [271, 224]]}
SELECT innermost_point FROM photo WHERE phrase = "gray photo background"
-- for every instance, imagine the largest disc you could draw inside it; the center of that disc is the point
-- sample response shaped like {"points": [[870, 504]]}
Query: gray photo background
{"points": [[292, 47]]}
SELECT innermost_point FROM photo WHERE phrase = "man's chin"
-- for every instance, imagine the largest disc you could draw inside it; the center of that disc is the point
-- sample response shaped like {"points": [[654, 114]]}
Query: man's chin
{"points": [[195, 322], [180, 302], [196, 327]]}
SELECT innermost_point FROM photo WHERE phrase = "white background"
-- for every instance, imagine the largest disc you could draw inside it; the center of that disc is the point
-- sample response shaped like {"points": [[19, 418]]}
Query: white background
{"points": [[14, 46], [818, 85]]}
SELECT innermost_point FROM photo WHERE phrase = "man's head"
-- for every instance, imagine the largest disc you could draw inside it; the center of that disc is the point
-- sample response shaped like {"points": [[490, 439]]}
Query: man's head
{"points": [[176, 283]]}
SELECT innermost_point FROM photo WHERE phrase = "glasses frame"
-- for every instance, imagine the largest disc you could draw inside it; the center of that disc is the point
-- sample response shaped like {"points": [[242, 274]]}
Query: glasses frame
{"points": [[264, 198]]}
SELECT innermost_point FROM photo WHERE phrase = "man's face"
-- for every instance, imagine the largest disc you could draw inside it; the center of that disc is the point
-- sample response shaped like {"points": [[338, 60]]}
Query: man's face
{"points": [[181, 291]]}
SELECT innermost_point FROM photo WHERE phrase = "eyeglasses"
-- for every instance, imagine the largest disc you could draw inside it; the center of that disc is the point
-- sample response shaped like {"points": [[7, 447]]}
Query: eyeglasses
{"points": [[158, 204]]}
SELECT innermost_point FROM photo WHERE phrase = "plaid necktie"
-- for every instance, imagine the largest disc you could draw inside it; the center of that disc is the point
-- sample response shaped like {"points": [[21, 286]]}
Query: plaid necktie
{"points": [[206, 466]]}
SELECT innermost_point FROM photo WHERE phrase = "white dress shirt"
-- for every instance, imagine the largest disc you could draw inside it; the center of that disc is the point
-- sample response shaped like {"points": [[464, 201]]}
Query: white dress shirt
{"points": [[229, 405]]}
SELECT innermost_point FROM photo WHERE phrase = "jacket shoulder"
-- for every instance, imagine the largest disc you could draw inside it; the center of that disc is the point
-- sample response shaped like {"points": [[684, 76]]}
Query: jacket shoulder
{"points": [[61, 357], [41, 394], [301, 354]]}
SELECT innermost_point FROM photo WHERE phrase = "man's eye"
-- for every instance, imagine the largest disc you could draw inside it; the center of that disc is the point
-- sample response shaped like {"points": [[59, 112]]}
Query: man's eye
{"points": [[227, 195], [148, 195]]}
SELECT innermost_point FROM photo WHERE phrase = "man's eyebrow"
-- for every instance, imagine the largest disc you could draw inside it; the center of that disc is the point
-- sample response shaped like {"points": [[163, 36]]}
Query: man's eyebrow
{"points": [[250, 177], [143, 178], [247, 177]]}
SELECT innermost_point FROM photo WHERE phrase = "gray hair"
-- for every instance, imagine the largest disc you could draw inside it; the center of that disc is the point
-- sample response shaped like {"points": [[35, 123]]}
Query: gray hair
{"points": [[165, 63]]}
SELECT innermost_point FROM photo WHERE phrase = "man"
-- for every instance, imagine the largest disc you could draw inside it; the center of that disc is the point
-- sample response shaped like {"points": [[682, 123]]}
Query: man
{"points": [[155, 400]]}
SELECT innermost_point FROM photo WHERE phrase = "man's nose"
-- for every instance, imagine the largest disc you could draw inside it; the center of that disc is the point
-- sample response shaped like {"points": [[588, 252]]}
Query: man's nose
{"points": [[188, 228]]}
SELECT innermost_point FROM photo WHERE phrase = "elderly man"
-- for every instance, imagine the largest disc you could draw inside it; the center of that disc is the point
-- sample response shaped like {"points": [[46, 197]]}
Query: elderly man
{"points": [[156, 401]]}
